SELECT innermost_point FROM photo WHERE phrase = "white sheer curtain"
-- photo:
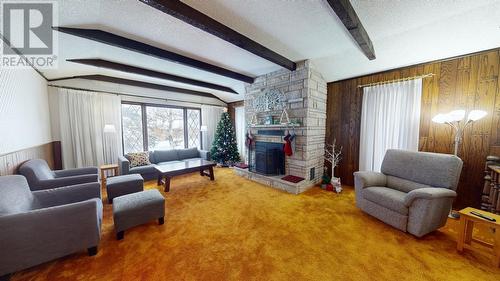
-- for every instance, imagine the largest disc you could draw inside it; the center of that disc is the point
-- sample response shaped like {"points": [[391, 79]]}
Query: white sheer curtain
{"points": [[210, 116], [240, 127], [82, 116], [390, 118]]}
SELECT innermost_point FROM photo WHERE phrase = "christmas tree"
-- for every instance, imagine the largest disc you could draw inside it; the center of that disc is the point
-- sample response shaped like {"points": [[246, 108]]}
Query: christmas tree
{"points": [[224, 149]]}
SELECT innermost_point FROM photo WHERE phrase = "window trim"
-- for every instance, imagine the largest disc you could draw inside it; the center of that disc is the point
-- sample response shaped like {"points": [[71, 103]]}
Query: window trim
{"points": [[145, 118]]}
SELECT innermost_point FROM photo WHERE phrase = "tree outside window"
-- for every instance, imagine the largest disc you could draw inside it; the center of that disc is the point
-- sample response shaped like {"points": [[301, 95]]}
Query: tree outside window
{"points": [[165, 127]]}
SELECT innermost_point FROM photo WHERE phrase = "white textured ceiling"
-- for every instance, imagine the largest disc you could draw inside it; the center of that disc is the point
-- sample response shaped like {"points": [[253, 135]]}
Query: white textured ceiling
{"points": [[403, 33], [409, 32]]}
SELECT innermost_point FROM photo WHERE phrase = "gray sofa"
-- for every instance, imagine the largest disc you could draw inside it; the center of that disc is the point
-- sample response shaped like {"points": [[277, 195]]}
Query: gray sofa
{"points": [[40, 226], [39, 175], [414, 191], [159, 157]]}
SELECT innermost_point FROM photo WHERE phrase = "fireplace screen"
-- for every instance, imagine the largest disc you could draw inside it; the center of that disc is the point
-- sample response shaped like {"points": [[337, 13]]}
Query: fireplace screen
{"points": [[269, 158]]}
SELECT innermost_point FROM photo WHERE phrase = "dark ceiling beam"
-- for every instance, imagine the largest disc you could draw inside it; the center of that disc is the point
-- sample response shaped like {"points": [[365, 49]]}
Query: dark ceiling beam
{"points": [[150, 73], [135, 83], [349, 18], [197, 19], [145, 49]]}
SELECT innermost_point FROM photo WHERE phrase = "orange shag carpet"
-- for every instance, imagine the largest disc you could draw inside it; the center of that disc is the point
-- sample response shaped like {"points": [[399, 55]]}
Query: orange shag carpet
{"points": [[235, 229]]}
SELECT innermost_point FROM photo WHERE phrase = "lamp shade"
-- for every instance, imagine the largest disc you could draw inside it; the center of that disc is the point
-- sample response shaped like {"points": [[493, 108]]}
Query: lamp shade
{"points": [[203, 128], [440, 118], [109, 129], [475, 115], [457, 115]]}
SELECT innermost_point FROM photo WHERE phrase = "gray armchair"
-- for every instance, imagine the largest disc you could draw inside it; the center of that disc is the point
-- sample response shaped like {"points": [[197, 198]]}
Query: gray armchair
{"points": [[414, 191], [40, 226], [39, 175]]}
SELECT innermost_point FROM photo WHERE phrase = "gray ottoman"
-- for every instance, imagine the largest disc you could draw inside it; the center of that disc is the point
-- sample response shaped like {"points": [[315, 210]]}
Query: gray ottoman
{"points": [[137, 208], [122, 185]]}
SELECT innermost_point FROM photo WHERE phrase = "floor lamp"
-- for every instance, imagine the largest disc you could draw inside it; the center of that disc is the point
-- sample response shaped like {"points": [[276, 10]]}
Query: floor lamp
{"points": [[203, 129], [456, 120], [109, 132]]}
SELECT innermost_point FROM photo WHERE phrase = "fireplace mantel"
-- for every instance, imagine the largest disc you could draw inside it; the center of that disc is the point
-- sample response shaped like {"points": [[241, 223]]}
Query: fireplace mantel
{"points": [[291, 125]]}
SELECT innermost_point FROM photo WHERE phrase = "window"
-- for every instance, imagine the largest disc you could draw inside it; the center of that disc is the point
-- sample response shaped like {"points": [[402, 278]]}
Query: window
{"points": [[133, 140], [165, 128], [193, 126], [158, 127]]}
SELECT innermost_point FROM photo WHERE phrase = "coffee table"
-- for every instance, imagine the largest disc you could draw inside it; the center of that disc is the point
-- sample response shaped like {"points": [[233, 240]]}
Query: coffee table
{"points": [[169, 170]]}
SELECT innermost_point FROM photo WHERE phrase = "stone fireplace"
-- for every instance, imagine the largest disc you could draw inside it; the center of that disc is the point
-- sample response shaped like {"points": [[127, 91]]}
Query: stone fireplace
{"points": [[305, 92]]}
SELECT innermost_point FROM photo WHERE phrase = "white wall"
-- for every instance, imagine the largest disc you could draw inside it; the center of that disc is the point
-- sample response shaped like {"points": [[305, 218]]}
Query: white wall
{"points": [[24, 110]]}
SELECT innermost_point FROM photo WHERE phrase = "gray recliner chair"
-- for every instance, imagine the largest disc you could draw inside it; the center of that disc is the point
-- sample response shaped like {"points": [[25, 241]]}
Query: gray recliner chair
{"points": [[40, 226], [39, 175], [414, 191]]}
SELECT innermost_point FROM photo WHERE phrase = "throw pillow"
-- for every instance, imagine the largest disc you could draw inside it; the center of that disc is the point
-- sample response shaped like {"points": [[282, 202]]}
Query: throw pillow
{"points": [[138, 159]]}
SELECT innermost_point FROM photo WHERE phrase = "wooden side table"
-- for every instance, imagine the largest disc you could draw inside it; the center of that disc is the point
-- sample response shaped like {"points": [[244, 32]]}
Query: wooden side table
{"points": [[108, 167], [465, 239]]}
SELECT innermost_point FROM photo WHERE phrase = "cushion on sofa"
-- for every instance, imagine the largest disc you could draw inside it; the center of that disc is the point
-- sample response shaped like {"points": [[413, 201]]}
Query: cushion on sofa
{"points": [[188, 153], [389, 198], [165, 155], [152, 157], [143, 169], [138, 159], [404, 185]]}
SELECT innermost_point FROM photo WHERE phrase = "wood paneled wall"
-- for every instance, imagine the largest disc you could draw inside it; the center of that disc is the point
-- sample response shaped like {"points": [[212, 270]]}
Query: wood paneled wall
{"points": [[468, 82], [9, 163]]}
